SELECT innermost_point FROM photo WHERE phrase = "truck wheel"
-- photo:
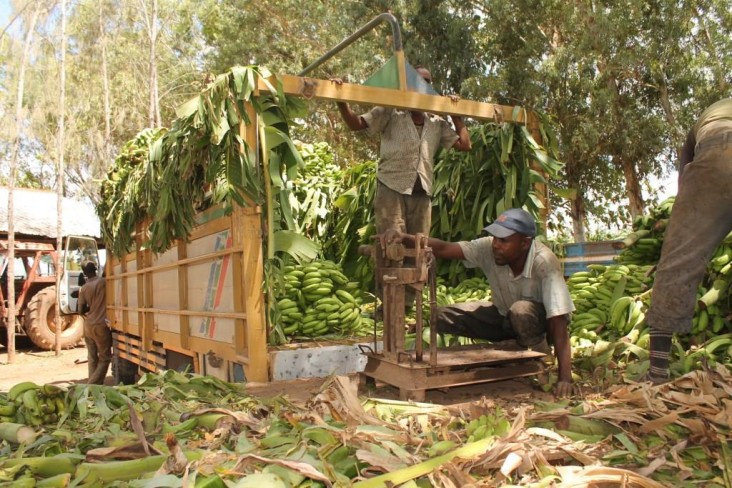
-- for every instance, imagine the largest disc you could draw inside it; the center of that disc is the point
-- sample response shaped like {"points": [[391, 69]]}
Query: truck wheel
{"points": [[124, 372], [40, 322]]}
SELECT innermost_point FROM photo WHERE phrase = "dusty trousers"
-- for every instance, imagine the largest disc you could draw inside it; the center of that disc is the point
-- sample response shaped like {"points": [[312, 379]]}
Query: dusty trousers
{"points": [[701, 218], [98, 340], [410, 214], [526, 322]]}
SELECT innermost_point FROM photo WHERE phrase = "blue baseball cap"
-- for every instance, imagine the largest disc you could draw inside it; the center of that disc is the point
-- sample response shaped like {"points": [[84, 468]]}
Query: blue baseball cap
{"points": [[511, 221]]}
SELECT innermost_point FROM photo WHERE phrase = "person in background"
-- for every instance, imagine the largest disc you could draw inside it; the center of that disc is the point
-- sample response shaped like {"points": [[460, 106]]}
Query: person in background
{"points": [[97, 334], [700, 220], [530, 301], [409, 141]]}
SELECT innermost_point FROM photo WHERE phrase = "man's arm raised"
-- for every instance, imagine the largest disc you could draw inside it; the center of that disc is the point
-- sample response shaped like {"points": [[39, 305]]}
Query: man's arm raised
{"points": [[353, 121], [463, 143]]}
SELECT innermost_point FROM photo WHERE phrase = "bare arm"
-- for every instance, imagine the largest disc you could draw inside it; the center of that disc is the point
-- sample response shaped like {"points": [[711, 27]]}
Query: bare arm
{"points": [[441, 249], [559, 334], [353, 121], [463, 142]]}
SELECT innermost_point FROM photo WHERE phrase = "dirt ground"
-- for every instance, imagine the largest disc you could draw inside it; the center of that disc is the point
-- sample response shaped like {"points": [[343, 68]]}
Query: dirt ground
{"points": [[32, 364], [70, 367]]}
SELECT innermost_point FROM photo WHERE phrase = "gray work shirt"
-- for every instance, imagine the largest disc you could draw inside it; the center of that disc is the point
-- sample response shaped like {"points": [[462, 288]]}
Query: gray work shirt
{"points": [[93, 294], [541, 281], [405, 153]]}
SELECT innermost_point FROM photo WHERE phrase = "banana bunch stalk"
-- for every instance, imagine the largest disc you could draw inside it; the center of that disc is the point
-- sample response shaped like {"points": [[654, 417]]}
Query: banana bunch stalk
{"points": [[318, 299]]}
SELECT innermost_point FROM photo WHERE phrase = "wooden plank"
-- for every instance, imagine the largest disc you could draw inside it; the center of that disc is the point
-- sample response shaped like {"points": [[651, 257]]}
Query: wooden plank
{"points": [[237, 263], [210, 227], [148, 326], [386, 97], [140, 265], [478, 357], [224, 350], [27, 246], [414, 381], [188, 313], [126, 326], [185, 322], [252, 278], [402, 69], [211, 256]]}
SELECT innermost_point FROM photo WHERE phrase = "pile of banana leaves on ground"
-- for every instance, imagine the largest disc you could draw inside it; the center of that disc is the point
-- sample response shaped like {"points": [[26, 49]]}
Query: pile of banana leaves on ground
{"points": [[174, 429]]}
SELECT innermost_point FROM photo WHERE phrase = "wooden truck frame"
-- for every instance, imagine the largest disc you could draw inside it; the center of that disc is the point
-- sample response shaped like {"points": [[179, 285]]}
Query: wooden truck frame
{"points": [[200, 304]]}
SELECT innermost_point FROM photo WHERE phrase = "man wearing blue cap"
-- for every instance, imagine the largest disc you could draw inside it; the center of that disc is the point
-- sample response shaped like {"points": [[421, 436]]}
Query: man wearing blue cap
{"points": [[530, 299]]}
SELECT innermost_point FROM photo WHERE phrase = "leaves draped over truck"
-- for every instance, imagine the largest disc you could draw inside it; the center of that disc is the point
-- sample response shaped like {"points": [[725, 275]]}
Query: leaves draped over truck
{"points": [[164, 176]]}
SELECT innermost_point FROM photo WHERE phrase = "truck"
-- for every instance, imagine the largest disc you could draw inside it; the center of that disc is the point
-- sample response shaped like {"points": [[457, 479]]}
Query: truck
{"points": [[34, 270], [200, 306]]}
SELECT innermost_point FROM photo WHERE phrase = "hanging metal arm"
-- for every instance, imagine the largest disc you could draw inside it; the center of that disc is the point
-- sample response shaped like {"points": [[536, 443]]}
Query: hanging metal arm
{"points": [[385, 17]]}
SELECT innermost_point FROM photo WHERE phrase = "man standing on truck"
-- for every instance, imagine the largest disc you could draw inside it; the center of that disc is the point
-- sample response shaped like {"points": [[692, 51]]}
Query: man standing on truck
{"points": [[530, 299], [700, 220], [409, 141], [97, 334]]}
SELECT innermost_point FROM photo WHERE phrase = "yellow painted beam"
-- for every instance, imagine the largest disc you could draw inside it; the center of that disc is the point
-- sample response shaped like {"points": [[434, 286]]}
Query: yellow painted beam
{"points": [[348, 92]]}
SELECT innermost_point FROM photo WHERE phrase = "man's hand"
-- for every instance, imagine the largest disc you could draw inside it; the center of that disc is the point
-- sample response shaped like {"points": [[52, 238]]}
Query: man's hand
{"points": [[454, 98], [336, 81], [563, 389]]}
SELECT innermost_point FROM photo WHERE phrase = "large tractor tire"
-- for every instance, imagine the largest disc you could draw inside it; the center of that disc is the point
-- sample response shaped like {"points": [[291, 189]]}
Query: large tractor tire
{"points": [[40, 322]]}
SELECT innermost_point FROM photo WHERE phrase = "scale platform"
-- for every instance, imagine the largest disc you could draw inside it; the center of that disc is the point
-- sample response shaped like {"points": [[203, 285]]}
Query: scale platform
{"points": [[455, 366]]}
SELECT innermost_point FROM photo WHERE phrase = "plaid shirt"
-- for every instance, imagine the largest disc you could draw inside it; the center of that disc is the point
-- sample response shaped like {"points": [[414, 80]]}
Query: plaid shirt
{"points": [[405, 154]]}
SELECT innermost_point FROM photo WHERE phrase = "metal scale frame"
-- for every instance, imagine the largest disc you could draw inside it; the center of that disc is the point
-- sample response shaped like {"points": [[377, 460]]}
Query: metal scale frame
{"points": [[396, 268]]}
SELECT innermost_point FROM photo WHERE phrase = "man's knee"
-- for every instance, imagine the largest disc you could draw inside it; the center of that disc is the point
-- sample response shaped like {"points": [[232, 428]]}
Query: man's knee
{"points": [[443, 320], [528, 321]]}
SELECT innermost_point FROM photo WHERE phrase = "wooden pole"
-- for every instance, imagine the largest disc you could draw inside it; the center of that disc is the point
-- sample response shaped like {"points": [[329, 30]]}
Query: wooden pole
{"points": [[60, 177]]}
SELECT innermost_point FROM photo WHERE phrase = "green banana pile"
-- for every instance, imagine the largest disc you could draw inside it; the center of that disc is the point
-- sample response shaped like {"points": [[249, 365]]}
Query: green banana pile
{"points": [[605, 302], [315, 189], [643, 245], [319, 300], [32, 404], [611, 303], [471, 289]]}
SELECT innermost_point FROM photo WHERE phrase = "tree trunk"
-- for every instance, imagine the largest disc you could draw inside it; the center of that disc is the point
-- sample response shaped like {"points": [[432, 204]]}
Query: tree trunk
{"points": [[578, 213], [107, 150], [152, 30], [633, 189], [717, 67], [11, 183], [676, 132], [60, 173]]}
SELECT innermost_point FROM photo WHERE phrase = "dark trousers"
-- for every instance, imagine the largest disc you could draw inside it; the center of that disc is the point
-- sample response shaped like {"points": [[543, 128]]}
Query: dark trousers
{"points": [[410, 214], [98, 340], [700, 220], [526, 322]]}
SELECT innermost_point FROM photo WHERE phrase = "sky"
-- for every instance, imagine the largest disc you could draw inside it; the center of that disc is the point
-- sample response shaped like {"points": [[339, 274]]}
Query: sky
{"points": [[5, 9]]}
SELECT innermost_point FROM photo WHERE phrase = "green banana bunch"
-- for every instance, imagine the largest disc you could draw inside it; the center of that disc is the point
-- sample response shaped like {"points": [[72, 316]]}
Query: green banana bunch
{"points": [[318, 299], [643, 245], [33, 404]]}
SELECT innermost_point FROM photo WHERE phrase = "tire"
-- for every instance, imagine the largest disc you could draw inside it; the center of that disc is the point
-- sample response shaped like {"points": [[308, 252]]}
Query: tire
{"points": [[40, 322], [124, 372]]}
